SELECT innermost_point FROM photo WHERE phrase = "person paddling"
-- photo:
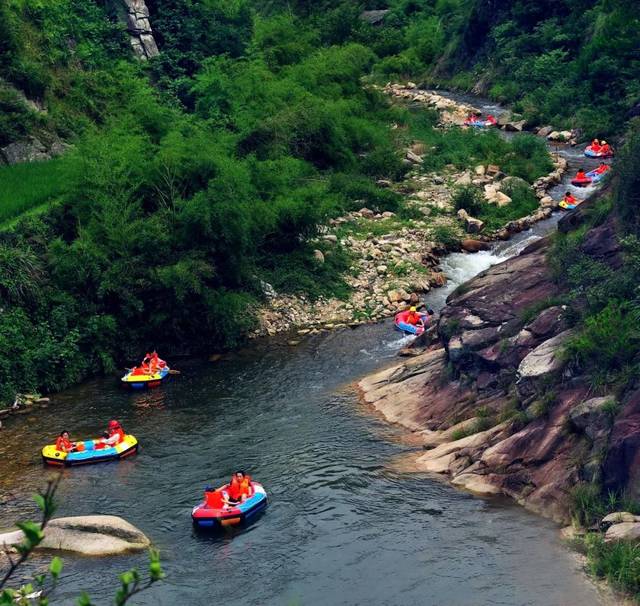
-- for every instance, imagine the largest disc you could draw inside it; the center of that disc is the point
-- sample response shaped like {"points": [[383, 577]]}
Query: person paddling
{"points": [[239, 489]]}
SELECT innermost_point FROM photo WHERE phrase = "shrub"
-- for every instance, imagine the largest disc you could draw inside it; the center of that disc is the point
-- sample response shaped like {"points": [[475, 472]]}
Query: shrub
{"points": [[469, 198]]}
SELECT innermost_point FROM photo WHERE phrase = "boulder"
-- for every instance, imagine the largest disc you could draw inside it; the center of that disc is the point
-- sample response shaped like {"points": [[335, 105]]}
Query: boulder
{"points": [[318, 256], [480, 170], [592, 417], [625, 531], [505, 118], [94, 535], [474, 245], [366, 212], [545, 131], [29, 150], [396, 296], [518, 126], [471, 225], [492, 170], [544, 361], [618, 517], [331, 238], [548, 323]]}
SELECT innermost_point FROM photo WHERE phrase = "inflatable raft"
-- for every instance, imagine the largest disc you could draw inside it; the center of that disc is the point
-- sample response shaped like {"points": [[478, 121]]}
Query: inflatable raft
{"points": [[566, 206], [136, 380], [204, 516], [400, 322], [582, 182], [593, 154], [89, 451], [481, 123], [596, 176]]}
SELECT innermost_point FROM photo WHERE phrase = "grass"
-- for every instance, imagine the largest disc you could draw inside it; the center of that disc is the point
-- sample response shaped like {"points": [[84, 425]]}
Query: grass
{"points": [[26, 186], [618, 563]]}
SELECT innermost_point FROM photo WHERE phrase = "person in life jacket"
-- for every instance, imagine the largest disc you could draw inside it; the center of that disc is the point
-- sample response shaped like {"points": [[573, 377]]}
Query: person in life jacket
{"points": [[603, 168], [414, 318], [595, 146], [569, 199], [156, 363], [581, 176], [63, 444], [215, 499], [605, 149], [491, 119], [239, 489], [116, 434]]}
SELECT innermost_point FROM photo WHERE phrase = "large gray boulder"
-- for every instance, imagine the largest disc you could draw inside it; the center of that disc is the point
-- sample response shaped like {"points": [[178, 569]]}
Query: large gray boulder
{"points": [[96, 535], [545, 359]]}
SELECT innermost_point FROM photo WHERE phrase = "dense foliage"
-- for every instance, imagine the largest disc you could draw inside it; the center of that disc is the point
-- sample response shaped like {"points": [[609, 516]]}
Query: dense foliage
{"points": [[203, 173], [571, 62]]}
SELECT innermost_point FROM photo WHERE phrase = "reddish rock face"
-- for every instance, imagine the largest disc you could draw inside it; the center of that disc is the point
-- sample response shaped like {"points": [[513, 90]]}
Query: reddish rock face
{"points": [[560, 431], [621, 469]]}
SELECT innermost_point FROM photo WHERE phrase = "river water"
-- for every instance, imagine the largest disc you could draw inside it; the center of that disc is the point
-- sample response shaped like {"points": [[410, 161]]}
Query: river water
{"points": [[342, 527]]}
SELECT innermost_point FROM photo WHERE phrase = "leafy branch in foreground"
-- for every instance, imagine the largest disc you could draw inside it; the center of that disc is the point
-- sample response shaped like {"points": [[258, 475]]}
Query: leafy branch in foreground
{"points": [[37, 593]]}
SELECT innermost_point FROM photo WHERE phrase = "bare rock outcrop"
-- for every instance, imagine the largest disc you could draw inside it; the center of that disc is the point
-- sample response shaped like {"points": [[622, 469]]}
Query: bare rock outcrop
{"points": [[495, 402], [139, 28]]}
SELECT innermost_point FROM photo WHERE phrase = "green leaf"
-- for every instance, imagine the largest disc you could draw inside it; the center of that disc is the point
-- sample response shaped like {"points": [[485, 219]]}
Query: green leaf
{"points": [[55, 568], [32, 532], [40, 502], [84, 600], [127, 577]]}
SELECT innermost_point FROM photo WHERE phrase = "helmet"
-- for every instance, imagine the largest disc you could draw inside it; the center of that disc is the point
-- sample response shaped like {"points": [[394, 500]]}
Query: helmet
{"points": [[412, 309], [603, 142], [113, 424]]}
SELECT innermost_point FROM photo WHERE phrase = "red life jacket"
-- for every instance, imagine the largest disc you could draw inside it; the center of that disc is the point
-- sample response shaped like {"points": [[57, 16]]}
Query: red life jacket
{"points": [[120, 433], [213, 500]]}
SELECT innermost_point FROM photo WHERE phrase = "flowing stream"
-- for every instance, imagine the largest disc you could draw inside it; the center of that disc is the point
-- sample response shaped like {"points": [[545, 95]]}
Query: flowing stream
{"points": [[341, 528]]}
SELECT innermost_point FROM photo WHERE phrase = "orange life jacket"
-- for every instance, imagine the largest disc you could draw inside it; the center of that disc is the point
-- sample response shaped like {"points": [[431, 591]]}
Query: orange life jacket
{"points": [[239, 489], [569, 199], [595, 145], [581, 175], [606, 149], [413, 318], [63, 444]]}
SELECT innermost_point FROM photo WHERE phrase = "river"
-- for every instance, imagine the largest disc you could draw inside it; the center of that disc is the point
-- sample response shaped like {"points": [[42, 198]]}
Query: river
{"points": [[342, 527]]}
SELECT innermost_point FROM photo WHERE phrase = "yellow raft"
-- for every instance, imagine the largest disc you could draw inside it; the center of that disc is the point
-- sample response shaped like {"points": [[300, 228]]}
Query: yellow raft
{"points": [[89, 451]]}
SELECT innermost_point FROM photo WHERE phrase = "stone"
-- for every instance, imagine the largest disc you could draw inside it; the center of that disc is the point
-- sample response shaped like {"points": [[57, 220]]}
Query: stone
{"points": [[471, 225], [480, 170], [94, 535], [492, 170], [474, 245], [545, 131], [318, 256], [464, 179], [625, 531], [268, 290], [545, 359], [29, 150], [592, 417], [490, 192], [419, 149], [549, 322], [381, 269], [396, 296], [502, 199], [331, 238], [413, 158], [366, 212], [504, 118], [518, 126], [618, 517]]}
